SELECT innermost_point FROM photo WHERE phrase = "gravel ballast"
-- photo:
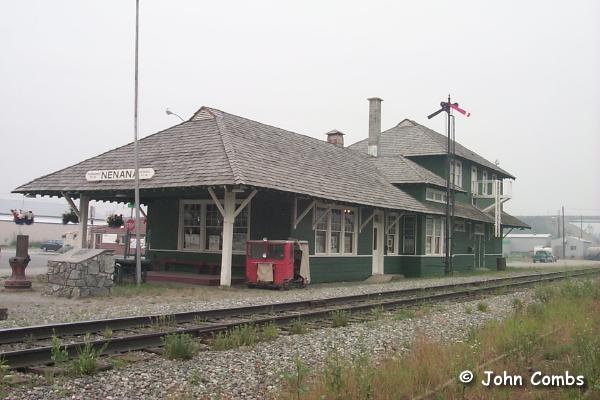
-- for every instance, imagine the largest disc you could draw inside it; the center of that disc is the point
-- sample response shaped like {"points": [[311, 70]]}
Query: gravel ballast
{"points": [[256, 373]]}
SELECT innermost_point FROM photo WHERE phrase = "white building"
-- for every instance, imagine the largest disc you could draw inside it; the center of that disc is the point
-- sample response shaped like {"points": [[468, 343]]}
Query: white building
{"points": [[525, 242], [575, 248]]}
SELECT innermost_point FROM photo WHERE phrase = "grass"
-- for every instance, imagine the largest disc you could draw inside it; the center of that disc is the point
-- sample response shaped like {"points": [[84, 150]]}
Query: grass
{"points": [[560, 332], [179, 346], [269, 332], [107, 333], [404, 314], [339, 318], [298, 327], [483, 306], [243, 335], [86, 362], [58, 353], [378, 312]]}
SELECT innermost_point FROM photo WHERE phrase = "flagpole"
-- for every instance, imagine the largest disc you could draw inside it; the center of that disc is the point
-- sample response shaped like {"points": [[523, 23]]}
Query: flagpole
{"points": [[138, 252]]}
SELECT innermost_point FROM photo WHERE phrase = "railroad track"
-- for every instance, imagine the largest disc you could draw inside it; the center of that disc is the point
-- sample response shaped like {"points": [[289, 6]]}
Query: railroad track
{"points": [[30, 346]]}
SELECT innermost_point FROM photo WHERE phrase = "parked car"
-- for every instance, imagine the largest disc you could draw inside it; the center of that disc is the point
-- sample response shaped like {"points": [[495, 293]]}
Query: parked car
{"points": [[52, 245], [543, 256]]}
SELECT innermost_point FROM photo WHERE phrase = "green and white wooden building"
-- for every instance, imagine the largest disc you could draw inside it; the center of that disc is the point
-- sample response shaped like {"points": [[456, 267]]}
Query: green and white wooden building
{"points": [[375, 207]]}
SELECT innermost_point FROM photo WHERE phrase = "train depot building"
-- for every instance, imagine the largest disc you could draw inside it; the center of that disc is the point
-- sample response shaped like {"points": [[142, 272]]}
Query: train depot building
{"points": [[375, 207]]}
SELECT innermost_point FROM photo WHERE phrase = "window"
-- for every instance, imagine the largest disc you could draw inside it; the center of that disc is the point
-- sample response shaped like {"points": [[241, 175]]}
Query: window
{"points": [[391, 233], [214, 228], [201, 227], [573, 248], [435, 195], [192, 216], [484, 186], [320, 230], [349, 228], [456, 173], [474, 184], [492, 188], [335, 230], [459, 225], [409, 233], [434, 235]]}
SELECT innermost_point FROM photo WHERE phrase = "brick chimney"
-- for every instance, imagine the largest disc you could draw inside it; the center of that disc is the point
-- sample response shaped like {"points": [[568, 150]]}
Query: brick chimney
{"points": [[374, 125], [335, 137]]}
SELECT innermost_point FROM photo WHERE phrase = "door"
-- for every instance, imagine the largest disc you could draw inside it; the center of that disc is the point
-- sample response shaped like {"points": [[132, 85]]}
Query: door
{"points": [[378, 238]]}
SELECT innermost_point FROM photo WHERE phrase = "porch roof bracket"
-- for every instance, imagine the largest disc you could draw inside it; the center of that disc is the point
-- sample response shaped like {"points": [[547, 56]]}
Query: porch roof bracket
{"points": [[216, 200], [321, 217], [244, 203], [396, 220], [299, 218], [71, 203], [366, 221], [508, 233]]}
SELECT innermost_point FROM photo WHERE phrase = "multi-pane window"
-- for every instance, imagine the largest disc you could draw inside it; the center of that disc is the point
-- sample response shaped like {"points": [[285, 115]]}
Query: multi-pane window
{"points": [[202, 227], [214, 228], [240, 230], [435, 195], [192, 217], [391, 232], [321, 222], [484, 185], [335, 230], [409, 233], [434, 235], [474, 184], [349, 228], [456, 173]]}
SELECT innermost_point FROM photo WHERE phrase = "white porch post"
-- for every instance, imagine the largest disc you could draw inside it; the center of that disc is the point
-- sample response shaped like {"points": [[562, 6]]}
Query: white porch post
{"points": [[228, 218], [84, 202]]}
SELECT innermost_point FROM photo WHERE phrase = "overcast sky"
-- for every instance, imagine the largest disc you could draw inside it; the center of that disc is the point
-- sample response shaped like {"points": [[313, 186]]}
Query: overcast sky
{"points": [[527, 71]]}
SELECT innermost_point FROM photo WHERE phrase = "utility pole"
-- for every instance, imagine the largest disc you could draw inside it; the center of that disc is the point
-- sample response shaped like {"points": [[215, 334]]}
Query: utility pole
{"points": [[563, 233], [138, 251], [581, 227]]}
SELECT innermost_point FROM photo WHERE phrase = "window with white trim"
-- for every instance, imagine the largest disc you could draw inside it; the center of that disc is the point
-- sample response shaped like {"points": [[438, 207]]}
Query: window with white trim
{"points": [[391, 233], [492, 188], [434, 235], [484, 187], [456, 173], [474, 184], [435, 195], [409, 234], [192, 218], [335, 230], [201, 227]]}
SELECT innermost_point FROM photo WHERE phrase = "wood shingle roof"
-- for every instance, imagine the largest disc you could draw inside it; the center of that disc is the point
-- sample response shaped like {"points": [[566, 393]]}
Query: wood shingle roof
{"points": [[410, 139], [217, 148]]}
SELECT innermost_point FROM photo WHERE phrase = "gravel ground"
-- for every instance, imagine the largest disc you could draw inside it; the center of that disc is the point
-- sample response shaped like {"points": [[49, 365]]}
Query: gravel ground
{"points": [[256, 373], [33, 308]]}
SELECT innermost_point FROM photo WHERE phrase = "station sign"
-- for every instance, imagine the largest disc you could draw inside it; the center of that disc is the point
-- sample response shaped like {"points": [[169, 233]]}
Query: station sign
{"points": [[118, 174]]}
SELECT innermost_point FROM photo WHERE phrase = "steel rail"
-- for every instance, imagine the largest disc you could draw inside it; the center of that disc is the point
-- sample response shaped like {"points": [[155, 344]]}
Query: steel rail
{"points": [[42, 355], [38, 332]]}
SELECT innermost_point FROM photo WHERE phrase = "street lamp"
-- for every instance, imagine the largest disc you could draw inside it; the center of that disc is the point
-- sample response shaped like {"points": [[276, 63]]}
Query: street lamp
{"points": [[169, 112]]}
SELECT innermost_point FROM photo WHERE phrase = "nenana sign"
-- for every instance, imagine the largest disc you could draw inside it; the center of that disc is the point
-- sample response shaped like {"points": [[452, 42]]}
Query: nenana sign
{"points": [[118, 174]]}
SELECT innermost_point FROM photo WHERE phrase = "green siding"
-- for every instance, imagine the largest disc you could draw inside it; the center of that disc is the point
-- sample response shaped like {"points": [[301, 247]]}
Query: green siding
{"points": [[163, 221], [335, 269], [238, 260]]}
